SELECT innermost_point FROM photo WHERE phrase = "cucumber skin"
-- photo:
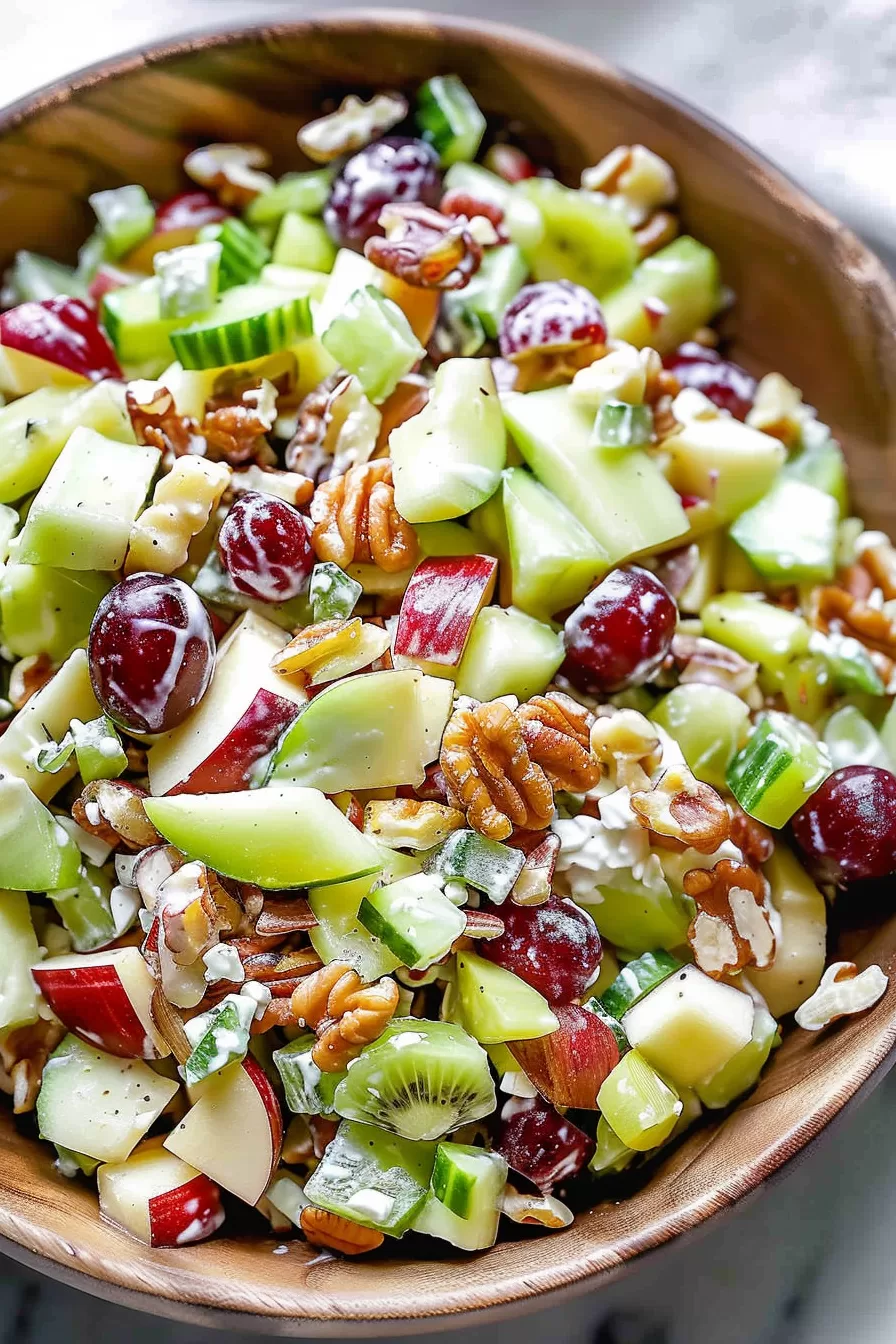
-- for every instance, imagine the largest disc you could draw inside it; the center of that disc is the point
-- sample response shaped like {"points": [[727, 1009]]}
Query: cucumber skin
{"points": [[212, 345], [636, 979]]}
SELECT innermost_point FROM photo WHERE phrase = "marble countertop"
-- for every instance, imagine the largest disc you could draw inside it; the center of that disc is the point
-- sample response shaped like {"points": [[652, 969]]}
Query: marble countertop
{"points": [[813, 84]]}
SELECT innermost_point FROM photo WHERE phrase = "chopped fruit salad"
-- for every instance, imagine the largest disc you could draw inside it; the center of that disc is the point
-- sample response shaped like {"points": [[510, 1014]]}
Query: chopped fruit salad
{"points": [[444, 695]]}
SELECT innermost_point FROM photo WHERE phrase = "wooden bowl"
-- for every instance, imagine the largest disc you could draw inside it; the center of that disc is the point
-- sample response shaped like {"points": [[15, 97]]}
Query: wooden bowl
{"points": [[812, 302]]}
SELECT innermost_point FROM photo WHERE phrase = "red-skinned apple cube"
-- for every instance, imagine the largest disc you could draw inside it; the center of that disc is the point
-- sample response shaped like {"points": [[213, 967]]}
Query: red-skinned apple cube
{"points": [[230, 766], [56, 341], [104, 999], [441, 603], [159, 1199], [569, 1066]]}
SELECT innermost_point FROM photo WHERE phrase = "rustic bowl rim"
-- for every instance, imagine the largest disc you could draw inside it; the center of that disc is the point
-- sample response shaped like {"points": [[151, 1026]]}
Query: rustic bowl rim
{"points": [[696, 1219]]}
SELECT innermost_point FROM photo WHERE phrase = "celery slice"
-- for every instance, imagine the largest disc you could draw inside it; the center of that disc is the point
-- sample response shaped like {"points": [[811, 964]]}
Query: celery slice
{"points": [[759, 631], [636, 979], [791, 534], [125, 215], [449, 119], [779, 768], [639, 1107], [373, 339]]}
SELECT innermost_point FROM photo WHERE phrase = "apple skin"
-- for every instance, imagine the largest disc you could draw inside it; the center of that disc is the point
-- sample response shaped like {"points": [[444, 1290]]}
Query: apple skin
{"points": [[569, 1066], [63, 332], [265, 1090], [229, 767], [187, 1214], [103, 998], [441, 603], [159, 1199]]}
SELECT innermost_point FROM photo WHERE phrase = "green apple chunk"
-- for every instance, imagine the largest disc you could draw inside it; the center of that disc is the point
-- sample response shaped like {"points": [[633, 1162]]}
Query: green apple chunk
{"points": [[710, 725], [18, 953], [36, 854], [682, 280], [743, 1069], [447, 459], [47, 610], [496, 1005], [365, 732], [622, 499], [276, 838], [790, 535], [756, 629], [689, 1027], [46, 717], [554, 559], [83, 513], [35, 429], [509, 653], [801, 935], [373, 339], [721, 460], [637, 917]]}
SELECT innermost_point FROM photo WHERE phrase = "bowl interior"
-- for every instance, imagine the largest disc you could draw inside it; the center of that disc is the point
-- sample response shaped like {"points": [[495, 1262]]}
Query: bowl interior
{"points": [[812, 302]]}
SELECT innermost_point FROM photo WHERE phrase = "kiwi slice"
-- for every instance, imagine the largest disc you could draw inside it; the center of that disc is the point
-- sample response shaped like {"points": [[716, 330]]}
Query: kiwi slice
{"points": [[584, 240], [419, 1080]]}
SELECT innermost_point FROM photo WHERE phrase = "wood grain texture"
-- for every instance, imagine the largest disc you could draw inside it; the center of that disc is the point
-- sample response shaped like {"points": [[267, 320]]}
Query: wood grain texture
{"points": [[812, 301]]}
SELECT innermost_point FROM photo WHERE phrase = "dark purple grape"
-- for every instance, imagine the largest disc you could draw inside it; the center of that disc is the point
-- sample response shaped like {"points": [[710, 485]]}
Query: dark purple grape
{"points": [[726, 384], [265, 548], [540, 1143], [621, 632], [552, 315], [554, 947], [396, 168], [847, 829], [151, 653]]}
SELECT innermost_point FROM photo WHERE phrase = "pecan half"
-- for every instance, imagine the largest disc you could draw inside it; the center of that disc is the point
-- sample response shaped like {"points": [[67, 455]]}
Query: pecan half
{"points": [[113, 810], [627, 746], [682, 808], [322, 1228], [711, 664], [344, 1013], [425, 248], [843, 990], [338, 428], [556, 731], [231, 171], [353, 125], [356, 521], [732, 928], [487, 767]]}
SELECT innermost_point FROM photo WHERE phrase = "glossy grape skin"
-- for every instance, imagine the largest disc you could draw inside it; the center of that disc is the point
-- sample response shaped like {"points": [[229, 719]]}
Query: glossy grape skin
{"points": [[551, 315], [151, 653], [847, 829], [265, 547], [620, 634], [555, 947], [396, 168], [540, 1143], [726, 384]]}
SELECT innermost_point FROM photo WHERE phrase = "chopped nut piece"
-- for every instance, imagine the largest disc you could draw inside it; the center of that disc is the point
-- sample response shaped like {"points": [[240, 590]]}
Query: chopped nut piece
{"points": [[322, 1228], [353, 125], [843, 990], [541, 1210], [290, 916], [23, 1054], [712, 664], [732, 928], [113, 810], [170, 1026], [487, 767], [305, 452], [835, 609], [156, 421], [235, 432], [344, 1013], [425, 248], [286, 485], [482, 924], [556, 731], [356, 521], [231, 171], [533, 886], [640, 180], [182, 504], [681, 807], [755, 841], [876, 555], [778, 409], [409, 823], [656, 232], [316, 643], [627, 746]]}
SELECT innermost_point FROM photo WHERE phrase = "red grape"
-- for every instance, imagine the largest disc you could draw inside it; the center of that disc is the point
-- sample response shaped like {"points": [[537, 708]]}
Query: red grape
{"points": [[726, 384], [542, 1144], [396, 168], [552, 315], [62, 331], [510, 162], [847, 829], [265, 548], [554, 947], [621, 632], [151, 653], [189, 210]]}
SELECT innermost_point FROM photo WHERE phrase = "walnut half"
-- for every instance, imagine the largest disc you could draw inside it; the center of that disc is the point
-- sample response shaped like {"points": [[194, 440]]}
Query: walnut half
{"points": [[683, 809], [732, 928]]}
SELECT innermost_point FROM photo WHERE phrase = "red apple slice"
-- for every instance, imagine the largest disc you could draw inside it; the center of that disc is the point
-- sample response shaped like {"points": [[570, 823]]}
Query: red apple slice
{"points": [[533, 886], [441, 603], [234, 1132], [178, 220], [104, 998], [238, 721], [569, 1066], [55, 342], [159, 1199]]}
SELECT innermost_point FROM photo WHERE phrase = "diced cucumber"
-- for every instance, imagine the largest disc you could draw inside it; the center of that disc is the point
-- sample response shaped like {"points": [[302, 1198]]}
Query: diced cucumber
{"points": [[820, 462], [98, 1104], [448, 459], [639, 1107], [306, 193], [636, 979], [332, 593], [243, 253], [554, 559], [722, 461], [213, 584], [611, 1155], [35, 278], [801, 935], [759, 631], [86, 909], [496, 1005], [622, 499], [690, 1026], [218, 1037], [18, 941], [46, 610], [849, 663], [620, 426], [362, 733], [414, 918], [464, 1202], [36, 854], [743, 1069], [303, 241], [132, 316], [188, 279], [247, 322], [585, 240], [509, 653], [710, 725], [487, 865], [500, 278], [681, 286], [125, 215], [852, 740], [35, 429], [373, 339], [449, 119], [637, 917], [273, 837], [791, 534], [780, 766], [83, 513], [46, 716], [373, 1178], [308, 1091]]}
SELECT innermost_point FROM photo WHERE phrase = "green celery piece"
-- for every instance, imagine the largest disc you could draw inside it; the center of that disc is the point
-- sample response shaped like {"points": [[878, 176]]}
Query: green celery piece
{"points": [[777, 770], [708, 723], [449, 118], [218, 1037], [304, 242], [684, 278], [849, 662], [640, 1108], [611, 1155], [47, 610], [364, 1160], [805, 685], [754, 628], [373, 339], [852, 740], [308, 1091], [791, 534], [332, 593], [499, 279], [619, 426], [86, 909], [98, 749], [487, 865], [188, 279], [18, 995], [126, 216], [35, 852], [306, 193], [636, 979]]}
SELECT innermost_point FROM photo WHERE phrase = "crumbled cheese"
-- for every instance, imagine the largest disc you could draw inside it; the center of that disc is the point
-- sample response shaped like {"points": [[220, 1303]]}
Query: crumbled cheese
{"points": [[222, 962], [260, 993]]}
